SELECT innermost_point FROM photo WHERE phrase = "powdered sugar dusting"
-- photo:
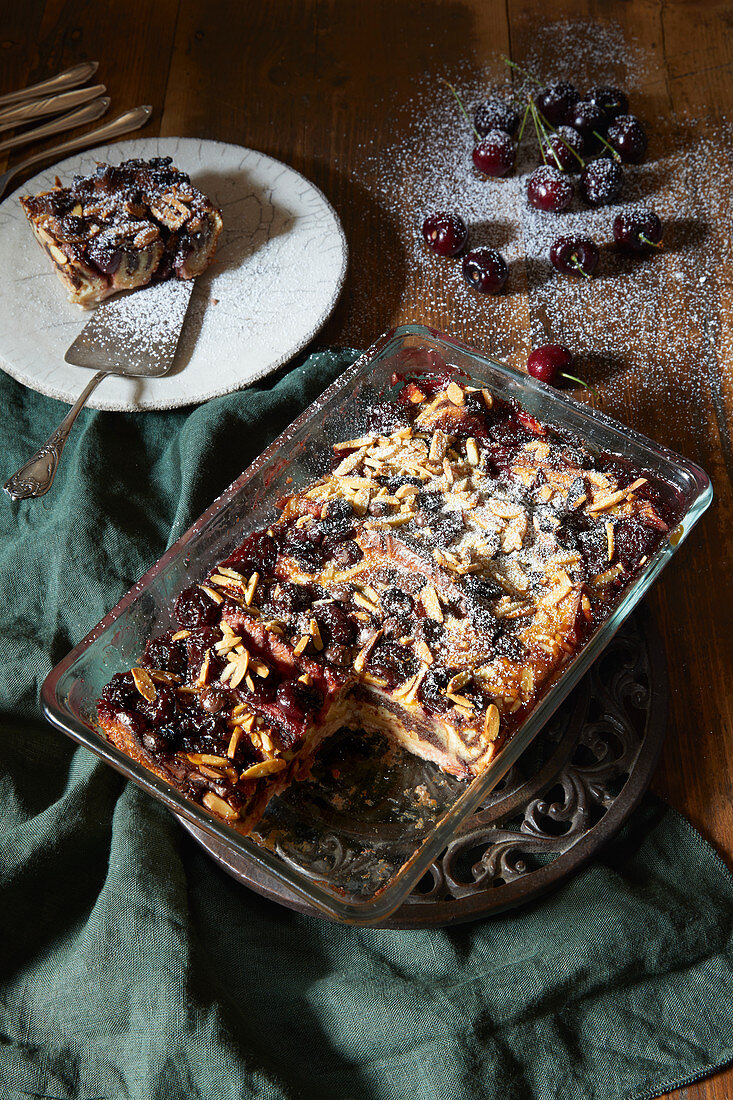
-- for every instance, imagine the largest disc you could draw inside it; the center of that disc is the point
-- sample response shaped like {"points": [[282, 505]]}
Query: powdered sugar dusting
{"points": [[645, 327]]}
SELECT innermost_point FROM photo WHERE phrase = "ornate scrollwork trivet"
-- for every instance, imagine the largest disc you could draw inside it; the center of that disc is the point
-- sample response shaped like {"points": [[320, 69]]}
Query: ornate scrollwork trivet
{"points": [[568, 794]]}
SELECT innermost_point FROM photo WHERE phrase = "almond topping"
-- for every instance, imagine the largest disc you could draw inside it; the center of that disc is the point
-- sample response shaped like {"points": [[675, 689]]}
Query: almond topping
{"points": [[455, 394], [265, 767], [610, 539], [251, 587], [144, 684], [602, 504], [431, 603], [234, 741], [302, 645], [316, 634], [492, 721], [212, 593], [360, 659], [180, 635], [219, 806]]}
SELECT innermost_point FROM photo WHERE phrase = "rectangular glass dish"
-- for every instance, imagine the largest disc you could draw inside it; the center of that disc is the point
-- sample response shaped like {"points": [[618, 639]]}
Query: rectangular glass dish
{"points": [[358, 853]]}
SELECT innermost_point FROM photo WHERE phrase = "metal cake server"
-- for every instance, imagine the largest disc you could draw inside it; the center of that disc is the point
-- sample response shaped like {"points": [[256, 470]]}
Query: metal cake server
{"points": [[134, 335]]}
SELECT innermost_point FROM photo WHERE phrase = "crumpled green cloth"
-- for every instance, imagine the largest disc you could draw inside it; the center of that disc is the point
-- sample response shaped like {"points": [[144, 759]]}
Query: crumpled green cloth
{"points": [[132, 967]]}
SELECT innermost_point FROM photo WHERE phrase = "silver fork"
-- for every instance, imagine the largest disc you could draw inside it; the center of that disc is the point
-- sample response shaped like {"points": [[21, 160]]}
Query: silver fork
{"points": [[69, 78], [130, 120]]}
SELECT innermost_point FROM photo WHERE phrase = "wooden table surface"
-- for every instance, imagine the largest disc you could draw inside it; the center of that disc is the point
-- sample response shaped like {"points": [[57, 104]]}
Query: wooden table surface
{"points": [[328, 86]]}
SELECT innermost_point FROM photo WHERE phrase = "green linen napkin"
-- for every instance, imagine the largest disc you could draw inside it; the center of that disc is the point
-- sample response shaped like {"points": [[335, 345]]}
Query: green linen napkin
{"points": [[132, 967]]}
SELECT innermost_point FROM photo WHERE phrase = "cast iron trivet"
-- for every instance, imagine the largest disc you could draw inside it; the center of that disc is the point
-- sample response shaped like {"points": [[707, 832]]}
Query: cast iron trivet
{"points": [[566, 796]]}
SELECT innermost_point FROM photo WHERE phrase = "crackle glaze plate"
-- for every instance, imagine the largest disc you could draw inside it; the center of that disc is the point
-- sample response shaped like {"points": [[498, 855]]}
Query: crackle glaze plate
{"points": [[277, 275]]}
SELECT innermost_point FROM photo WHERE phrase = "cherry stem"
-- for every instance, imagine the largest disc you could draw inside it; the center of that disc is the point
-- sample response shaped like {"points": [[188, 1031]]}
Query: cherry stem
{"points": [[524, 122], [459, 101], [513, 65], [652, 244], [561, 138], [545, 137], [572, 378], [614, 152], [533, 109], [574, 263]]}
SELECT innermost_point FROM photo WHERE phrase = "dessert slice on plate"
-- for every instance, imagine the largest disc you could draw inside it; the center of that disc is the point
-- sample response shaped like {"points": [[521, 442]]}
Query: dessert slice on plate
{"points": [[124, 225]]}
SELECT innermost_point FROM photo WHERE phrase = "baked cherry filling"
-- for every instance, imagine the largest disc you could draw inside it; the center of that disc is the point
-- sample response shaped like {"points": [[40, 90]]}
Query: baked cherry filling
{"points": [[429, 587]]}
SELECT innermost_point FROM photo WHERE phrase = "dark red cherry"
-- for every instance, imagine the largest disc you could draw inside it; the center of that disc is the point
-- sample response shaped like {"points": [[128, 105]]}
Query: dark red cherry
{"points": [[551, 362], [494, 155], [549, 189], [637, 231], [257, 552], [555, 101], [600, 181], [563, 149], [547, 361], [610, 100], [587, 120], [445, 234], [627, 136], [496, 114], [195, 609], [485, 270], [574, 256]]}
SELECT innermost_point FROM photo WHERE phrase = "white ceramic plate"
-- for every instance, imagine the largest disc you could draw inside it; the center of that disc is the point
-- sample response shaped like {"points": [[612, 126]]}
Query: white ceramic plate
{"points": [[276, 278]]}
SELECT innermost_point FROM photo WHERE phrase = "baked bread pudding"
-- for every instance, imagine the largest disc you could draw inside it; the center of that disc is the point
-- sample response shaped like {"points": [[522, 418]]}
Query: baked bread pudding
{"points": [[122, 226], [429, 588]]}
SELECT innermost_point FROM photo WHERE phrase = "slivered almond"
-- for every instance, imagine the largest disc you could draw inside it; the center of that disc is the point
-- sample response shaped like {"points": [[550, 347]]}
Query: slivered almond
{"points": [[422, 650], [306, 679], [472, 453], [219, 806], [180, 635], [455, 394], [461, 701], [234, 741], [355, 444], [431, 603], [448, 471], [302, 645], [204, 672], [226, 581], [458, 681], [602, 504], [212, 593], [349, 463], [235, 576], [158, 676], [360, 659], [438, 446], [265, 767], [610, 539], [377, 681], [492, 721], [411, 696], [316, 634], [144, 684], [406, 491], [254, 580], [259, 667], [365, 602], [635, 485]]}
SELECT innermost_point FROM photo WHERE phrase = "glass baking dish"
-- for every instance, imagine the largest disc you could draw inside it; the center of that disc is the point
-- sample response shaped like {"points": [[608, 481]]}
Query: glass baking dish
{"points": [[355, 856]]}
